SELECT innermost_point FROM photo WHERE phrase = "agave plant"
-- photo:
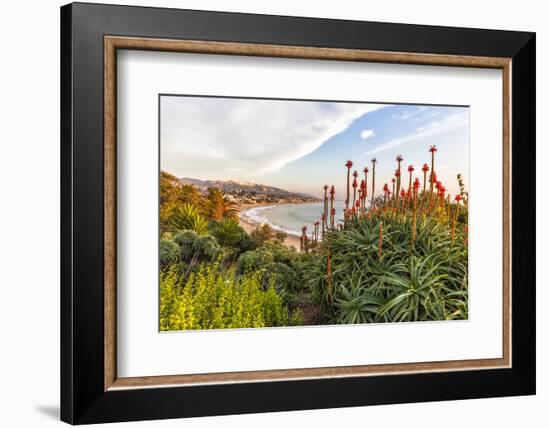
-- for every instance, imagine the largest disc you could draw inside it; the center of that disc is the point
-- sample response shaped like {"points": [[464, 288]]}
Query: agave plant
{"points": [[187, 217]]}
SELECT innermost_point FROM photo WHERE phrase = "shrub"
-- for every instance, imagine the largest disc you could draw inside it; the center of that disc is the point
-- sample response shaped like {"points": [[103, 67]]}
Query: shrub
{"points": [[188, 217], [262, 234], [168, 252], [278, 264], [227, 232], [194, 248], [215, 298], [280, 236]]}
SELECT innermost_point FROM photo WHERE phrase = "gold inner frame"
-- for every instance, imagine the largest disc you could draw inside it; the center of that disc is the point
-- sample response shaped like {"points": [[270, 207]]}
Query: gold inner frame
{"points": [[113, 43]]}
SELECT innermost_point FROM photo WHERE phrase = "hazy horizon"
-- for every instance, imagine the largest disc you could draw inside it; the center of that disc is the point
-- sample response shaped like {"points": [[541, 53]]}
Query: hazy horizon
{"points": [[300, 146]]}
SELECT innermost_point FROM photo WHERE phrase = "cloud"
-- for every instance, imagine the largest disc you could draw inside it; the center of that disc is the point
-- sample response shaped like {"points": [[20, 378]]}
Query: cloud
{"points": [[448, 124], [223, 137], [409, 113], [403, 116], [367, 133]]}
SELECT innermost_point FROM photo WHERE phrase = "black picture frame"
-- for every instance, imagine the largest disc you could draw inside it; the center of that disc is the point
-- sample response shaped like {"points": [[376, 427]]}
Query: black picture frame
{"points": [[83, 398]]}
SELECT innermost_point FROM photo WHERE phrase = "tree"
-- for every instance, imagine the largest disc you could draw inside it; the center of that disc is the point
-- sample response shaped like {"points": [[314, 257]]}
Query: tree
{"points": [[220, 206]]}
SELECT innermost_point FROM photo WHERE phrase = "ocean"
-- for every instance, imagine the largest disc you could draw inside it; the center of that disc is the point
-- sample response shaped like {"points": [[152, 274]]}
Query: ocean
{"points": [[290, 218]]}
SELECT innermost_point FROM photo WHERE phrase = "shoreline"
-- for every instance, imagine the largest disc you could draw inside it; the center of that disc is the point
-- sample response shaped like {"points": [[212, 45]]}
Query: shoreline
{"points": [[249, 224]]}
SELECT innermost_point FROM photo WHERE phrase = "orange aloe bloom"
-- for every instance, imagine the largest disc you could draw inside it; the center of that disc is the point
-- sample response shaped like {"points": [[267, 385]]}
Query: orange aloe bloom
{"points": [[354, 185], [410, 169], [349, 164], [425, 169], [366, 171]]}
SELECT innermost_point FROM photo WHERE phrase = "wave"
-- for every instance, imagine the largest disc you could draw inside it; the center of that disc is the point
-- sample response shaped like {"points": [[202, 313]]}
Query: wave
{"points": [[255, 214]]}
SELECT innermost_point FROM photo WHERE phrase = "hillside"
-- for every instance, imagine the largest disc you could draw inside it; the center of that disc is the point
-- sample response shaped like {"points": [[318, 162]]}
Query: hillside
{"points": [[250, 193]]}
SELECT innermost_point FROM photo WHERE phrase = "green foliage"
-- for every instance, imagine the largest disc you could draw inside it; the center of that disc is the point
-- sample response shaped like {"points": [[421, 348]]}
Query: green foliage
{"points": [[215, 298], [280, 236], [169, 253], [172, 195], [262, 234], [188, 217], [411, 281], [194, 248], [227, 232], [279, 265]]}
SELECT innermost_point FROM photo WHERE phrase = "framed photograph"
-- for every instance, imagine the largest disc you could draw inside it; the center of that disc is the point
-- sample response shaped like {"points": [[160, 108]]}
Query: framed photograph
{"points": [[266, 213]]}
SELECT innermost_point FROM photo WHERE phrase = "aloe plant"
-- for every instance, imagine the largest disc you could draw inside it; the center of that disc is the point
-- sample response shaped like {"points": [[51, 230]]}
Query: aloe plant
{"points": [[379, 273]]}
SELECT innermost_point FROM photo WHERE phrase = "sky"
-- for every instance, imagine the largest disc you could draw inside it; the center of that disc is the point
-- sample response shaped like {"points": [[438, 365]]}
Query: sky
{"points": [[302, 145]]}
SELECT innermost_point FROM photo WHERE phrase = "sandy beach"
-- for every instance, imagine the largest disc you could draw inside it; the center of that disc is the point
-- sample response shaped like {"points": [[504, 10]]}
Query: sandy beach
{"points": [[249, 225]]}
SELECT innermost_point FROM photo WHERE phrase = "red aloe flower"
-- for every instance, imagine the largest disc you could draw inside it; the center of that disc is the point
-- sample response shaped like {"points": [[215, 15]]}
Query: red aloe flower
{"points": [[399, 159], [365, 193], [373, 160], [454, 216], [432, 150], [354, 187], [416, 184], [386, 192], [410, 168], [349, 164], [425, 169]]}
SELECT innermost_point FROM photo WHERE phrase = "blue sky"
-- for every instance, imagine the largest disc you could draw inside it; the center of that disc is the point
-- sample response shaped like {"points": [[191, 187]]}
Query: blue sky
{"points": [[302, 145]]}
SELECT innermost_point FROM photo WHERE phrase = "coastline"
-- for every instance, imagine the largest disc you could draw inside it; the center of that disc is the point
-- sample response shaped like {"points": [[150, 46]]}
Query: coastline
{"points": [[249, 224]]}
